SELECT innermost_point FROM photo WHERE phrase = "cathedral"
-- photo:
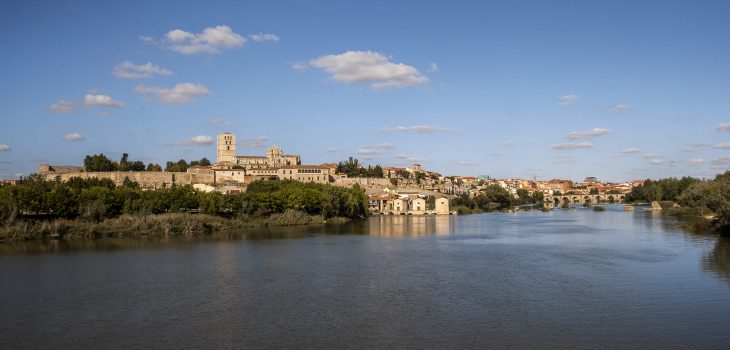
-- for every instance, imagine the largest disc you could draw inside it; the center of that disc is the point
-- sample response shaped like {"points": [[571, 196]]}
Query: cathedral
{"points": [[274, 158]]}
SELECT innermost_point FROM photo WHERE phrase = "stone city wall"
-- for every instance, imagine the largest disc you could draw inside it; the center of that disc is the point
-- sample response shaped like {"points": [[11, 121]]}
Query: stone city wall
{"points": [[364, 181], [146, 179]]}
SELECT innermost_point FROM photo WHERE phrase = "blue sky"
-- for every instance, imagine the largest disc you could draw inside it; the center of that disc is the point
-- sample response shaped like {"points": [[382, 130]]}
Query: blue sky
{"points": [[613, 89]]}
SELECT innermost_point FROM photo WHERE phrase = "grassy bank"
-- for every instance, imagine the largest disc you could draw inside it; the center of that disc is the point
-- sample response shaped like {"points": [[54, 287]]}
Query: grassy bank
{"points": [[172, 224]]}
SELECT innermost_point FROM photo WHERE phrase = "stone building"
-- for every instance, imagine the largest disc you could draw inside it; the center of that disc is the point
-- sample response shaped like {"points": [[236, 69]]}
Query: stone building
{"points": [[442, 206], [274, 158]]}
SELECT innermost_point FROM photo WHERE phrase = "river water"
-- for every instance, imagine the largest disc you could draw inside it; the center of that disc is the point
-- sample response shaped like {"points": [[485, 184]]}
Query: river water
{"points": [[565, 279]]}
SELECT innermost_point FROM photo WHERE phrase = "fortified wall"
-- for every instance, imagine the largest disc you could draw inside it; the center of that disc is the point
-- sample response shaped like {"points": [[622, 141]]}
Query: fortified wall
{"points": [[364, 181], [146, 179]]}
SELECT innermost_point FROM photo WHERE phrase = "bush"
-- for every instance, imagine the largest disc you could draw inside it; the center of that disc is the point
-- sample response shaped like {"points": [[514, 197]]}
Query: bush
{"points": [[597, 208]]}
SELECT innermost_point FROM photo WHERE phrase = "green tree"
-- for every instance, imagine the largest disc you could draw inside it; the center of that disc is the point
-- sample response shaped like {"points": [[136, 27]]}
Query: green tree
{"points": [[154, 167], [179, 166], [99, 162], [202, 162]]}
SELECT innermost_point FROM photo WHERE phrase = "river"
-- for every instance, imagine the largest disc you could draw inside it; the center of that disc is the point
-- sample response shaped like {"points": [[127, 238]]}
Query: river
{"points": [[565, 279]]}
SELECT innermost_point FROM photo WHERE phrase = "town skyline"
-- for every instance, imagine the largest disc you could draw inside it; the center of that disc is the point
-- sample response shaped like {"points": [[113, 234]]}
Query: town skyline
{"points": [[474, 89]]}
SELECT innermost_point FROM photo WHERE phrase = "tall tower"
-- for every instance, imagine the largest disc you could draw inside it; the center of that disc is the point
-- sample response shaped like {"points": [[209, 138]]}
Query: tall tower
{"points": [[226, 148]]}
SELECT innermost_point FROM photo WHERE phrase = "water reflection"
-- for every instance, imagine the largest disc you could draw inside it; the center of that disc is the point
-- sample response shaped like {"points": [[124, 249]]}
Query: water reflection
{"points": [[410, 226], [717, 261]]}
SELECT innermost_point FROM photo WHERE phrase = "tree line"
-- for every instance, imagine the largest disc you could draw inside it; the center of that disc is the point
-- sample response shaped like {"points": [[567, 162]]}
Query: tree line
{"points": [[696, 196], [490, 198], [353, 168], [100, 162], [99, 199]]}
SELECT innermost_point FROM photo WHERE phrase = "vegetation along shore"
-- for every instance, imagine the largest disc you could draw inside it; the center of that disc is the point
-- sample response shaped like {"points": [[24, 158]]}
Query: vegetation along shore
{"points": [[96, 208]]}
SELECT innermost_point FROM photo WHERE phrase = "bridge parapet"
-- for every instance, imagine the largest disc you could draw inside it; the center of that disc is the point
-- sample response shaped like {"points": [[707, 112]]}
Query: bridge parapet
{"points": [[556, 201]]}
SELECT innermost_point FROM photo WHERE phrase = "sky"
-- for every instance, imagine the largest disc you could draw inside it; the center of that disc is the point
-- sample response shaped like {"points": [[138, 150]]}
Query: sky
{"points": [[619, 90]]}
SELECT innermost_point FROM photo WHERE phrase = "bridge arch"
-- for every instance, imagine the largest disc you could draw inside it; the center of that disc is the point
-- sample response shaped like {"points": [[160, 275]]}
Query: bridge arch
{"points": [[587, 200]]}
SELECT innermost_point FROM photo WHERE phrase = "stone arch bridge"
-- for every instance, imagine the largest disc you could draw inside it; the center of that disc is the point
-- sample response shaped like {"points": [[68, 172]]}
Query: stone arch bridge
{"points": [[557, 201]]}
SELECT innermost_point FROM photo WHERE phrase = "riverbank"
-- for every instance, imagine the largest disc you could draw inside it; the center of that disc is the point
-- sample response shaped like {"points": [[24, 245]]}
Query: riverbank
{"points": [[156, 225]]}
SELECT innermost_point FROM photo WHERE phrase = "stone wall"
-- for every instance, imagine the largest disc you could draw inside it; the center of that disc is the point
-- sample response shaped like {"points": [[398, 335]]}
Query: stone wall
{"points": [[146, 179], [363, 181]]}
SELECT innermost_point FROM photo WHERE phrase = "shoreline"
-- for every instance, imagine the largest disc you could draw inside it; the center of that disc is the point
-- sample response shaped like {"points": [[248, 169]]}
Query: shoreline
{"points": [[152, 225]]}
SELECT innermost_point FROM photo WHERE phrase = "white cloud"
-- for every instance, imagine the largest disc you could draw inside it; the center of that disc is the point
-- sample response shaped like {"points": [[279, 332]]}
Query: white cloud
{"points": [[367, 150], [419, 129], [128, 70], [595, 132], [5, 148], [723, 127], [299, 66], [621, 107], [626, 151], [434, 67], [509, 143], [201, 140], [723, 146], [103, 114], [260, 37], [63, 106], [567, 100], [74, 137], [696, 161], [465, 162], [90, 100], [385, 146], [255, 142], [409, 159], [373, 150], [568, 146], [721, 161], [698, 145], [210, 40], [355, 67], [180, 93], [98, 100], [657, 161]]}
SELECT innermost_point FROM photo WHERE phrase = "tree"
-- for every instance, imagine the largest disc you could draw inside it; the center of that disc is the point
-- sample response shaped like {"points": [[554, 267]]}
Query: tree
{"points": [[154, 167], [179, 166], [129, 183], [593, 191], [99, 162], [351, 167], [524, 196], [419, 176], [202, 162], [124, 163]]}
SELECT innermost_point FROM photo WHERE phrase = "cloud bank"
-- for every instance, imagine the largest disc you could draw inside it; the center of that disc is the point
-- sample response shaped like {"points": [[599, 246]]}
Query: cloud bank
{"points": [[354, 67], [180, 93]]}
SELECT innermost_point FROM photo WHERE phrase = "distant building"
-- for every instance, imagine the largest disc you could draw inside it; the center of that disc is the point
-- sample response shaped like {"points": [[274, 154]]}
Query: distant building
{"points": [[274, 158]]}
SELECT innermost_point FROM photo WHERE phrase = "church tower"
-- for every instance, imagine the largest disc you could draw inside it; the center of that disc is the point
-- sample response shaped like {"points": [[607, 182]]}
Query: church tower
{"points": [[226, 148]]}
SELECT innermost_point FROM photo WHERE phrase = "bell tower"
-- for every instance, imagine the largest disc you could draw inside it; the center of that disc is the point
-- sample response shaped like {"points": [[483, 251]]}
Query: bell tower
{"points": [[226, 148]]}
